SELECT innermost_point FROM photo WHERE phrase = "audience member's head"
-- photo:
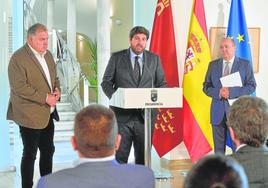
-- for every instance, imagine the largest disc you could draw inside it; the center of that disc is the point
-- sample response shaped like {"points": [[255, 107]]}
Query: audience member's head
{"points": [[95, 132], [248, 121], [216, 171]]}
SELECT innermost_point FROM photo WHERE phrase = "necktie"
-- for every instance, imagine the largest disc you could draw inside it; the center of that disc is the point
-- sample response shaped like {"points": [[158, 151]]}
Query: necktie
{"points": [[137, 70], [226, 69]]}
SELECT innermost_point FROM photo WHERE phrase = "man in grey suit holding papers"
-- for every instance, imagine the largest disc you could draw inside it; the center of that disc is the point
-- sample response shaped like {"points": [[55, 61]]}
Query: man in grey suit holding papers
{"points": [[220, 95]]}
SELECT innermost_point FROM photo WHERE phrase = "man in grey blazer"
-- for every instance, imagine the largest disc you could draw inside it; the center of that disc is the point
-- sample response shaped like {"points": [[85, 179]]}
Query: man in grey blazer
{"points": [[134, 67], [95, 139], [220, 95], [248, 125], [34, 91]]}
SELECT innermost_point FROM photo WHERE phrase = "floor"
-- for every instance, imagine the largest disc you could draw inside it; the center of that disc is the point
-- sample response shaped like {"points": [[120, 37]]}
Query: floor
{"points": [[64, 157]]}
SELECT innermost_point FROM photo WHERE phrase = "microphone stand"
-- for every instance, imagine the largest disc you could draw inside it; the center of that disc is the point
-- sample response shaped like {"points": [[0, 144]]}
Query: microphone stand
{"points": [[148, 128], [147, 136], [161, 176]]}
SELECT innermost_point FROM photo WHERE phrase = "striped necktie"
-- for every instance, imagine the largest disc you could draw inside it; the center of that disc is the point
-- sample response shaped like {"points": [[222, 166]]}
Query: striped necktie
{"points": [[137, 74], [226, 69]]}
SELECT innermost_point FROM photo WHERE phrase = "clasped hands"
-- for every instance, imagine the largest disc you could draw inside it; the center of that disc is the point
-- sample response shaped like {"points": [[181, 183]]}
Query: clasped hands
{"points": [[52, 98], [224, 92]]}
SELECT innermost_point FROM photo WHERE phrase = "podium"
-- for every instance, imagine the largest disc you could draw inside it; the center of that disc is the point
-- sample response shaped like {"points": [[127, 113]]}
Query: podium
{"points": [[147, 98]]}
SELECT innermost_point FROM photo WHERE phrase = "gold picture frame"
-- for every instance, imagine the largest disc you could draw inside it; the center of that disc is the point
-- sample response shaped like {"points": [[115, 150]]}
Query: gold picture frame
{"points": [[216, 33]]}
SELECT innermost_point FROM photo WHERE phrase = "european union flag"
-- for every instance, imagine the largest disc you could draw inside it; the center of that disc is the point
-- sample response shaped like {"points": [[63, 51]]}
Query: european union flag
{"points": [[237, 29]]}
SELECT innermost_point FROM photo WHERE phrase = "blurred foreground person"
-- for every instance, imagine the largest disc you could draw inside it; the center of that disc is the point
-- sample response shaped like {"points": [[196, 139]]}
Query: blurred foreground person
{"points": [[96, 139], [216, 171], [248, 125]]}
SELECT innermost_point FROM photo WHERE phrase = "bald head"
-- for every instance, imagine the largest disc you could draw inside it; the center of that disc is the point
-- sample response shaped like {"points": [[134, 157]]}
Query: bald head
{"points": [[227, 48]]}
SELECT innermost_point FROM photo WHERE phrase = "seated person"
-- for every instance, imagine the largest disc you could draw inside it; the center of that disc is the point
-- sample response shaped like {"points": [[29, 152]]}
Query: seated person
{"points": [[248, 125], [216, 171], [96, 139]]}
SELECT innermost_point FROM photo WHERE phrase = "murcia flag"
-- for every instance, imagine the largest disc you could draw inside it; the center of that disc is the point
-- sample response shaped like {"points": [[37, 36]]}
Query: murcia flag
{"points": [[168, 127]]}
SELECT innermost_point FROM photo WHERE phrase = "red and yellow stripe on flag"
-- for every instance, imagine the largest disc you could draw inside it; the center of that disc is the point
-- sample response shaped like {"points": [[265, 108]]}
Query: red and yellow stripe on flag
{"points": [[197, 130], [168, 127]]}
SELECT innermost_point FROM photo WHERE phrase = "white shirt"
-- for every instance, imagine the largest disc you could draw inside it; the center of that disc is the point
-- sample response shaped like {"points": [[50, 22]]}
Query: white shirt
{"points": [[85, 160], [239, 147], [43, 63]]}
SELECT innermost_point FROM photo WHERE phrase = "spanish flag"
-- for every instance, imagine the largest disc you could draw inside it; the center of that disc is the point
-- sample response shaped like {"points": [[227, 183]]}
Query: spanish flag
{"points": [[197, 130]]}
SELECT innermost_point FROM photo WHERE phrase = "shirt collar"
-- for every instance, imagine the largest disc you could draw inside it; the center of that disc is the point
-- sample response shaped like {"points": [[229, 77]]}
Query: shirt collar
{"points": [[133, 55], [230, 61], [37, 53], [239, 147], [85, 160]]}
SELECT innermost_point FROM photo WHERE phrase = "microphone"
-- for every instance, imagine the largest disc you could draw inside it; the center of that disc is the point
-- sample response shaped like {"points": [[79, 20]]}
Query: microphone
{"points": [[150, 74], [153, 91]]}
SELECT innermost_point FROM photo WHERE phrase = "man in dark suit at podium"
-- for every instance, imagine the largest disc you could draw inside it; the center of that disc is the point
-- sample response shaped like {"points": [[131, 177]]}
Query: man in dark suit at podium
{"points": [[134, 67]]}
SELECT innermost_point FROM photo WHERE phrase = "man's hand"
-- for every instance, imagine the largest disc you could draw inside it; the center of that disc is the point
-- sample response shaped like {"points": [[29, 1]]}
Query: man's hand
{"points": [[224, 92], [57, 93], [51, 100]]}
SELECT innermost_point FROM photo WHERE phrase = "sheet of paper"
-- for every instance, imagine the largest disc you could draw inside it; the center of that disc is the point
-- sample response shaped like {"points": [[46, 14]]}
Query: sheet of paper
{"points": [[231, 80], [231, 101]]}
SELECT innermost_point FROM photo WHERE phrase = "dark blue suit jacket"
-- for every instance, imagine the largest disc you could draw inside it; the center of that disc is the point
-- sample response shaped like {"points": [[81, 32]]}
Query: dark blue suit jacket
{"points": [[212, 86]]}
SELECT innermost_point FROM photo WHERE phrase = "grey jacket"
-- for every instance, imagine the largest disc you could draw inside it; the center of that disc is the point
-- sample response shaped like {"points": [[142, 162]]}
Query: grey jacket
{"points": [[108, 174], [119, 73], [255, 162]]}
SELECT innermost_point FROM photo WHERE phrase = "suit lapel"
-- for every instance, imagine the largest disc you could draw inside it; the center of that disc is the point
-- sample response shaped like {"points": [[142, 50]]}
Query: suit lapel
{"points": [[36, 63], [146, 62], [235, 65], [220, 68]]}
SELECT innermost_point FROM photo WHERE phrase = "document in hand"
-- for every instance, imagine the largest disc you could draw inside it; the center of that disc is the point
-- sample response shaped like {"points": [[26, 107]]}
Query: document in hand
{"points": [[231, 80]]}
